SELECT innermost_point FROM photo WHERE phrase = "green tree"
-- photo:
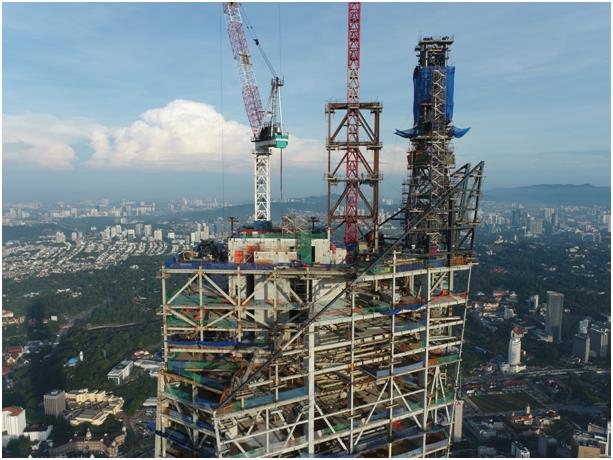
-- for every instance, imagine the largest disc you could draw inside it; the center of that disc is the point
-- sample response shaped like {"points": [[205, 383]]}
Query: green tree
{"points": [[19, 447]]}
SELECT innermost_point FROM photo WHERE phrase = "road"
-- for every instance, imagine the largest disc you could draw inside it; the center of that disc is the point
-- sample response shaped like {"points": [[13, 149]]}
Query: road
{"points": [[541, 372], [84, 314]]}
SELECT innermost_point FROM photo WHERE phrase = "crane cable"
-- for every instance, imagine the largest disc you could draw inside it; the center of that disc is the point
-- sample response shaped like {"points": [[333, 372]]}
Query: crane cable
{"points": [[256, 40], [222, 120], [281, 70]]}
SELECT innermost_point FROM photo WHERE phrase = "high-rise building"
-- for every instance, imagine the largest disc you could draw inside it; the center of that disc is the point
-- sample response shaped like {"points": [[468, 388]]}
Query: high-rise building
{"points": [[147, 230], [584, 326], [535, 226], [581, 347], [599, 339], [548, 213], [555, 311], [534, 302], [518, 450], [157, 235], [547, 446], [606, 220], [284, 348], [514, 352], [458, 420], [13, 421], [514, 349], [608, 445], [54, 402]]}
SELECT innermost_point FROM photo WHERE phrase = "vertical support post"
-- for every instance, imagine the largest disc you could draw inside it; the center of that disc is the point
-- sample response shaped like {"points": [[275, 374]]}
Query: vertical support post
{"points": [[160, 441], [390, 434], [164, 315], [201, 305], [426, 359], [311, 389], [350, 393], [267, 446]]}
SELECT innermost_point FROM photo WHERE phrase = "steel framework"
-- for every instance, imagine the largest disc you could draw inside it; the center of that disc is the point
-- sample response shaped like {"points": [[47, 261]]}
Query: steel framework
{"points": [[324, 364], [308, 358], [354, 126]]}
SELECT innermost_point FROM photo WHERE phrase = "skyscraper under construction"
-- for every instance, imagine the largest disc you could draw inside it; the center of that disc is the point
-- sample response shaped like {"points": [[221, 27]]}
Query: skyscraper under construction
{"points": [[275, 345]]}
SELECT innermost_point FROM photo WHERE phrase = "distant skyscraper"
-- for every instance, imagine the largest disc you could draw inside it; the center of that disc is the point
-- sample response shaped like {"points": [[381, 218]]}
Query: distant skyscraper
{"points": [[535, 226], [581, 347], [54, 402], [584, 326], [518, 450], [157, 235], [13, 421], [60, 237], [519, 217], [606, 220], [608, 448], [148, 231], [514, 349], [458, 418], [599, 339], [548, 213], [534, 301], [555, 310], [555, 221]]}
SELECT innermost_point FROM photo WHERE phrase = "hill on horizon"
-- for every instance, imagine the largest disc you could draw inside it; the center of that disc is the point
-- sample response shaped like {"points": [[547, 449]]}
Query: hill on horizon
{"points": [[552, 195]]}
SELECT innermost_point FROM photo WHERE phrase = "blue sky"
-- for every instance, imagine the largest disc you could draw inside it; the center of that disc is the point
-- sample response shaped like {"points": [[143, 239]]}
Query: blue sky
{"points": [[142, 100]]}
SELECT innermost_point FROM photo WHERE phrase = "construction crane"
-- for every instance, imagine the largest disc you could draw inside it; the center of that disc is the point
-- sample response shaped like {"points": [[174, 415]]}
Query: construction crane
{"points": [[266, 125], [353, 124], [353, 145]]}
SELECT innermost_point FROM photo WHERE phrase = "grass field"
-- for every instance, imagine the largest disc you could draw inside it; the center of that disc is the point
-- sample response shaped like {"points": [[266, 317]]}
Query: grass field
{"points": [[505, 402]]}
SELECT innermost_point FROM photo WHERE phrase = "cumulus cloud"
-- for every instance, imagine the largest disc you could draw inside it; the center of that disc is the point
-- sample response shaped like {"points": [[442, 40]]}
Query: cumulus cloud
{"points": [[39, 140], [180, 136]]}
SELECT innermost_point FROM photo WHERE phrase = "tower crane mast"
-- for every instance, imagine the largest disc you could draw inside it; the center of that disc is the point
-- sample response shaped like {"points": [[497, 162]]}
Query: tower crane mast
{"points": [[353, 124], [266, 125]]}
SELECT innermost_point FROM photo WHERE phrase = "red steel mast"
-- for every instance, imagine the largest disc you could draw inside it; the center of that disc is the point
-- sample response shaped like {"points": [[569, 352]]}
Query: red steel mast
{"points": [[353, 125]]}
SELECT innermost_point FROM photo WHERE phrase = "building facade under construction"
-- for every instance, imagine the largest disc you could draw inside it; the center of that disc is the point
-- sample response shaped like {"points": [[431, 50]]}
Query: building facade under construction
{"points": [[279, 344]]}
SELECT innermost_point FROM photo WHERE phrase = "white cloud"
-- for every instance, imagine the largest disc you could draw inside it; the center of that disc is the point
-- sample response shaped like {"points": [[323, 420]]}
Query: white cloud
{"points": [[181, 136], [38, 140]]}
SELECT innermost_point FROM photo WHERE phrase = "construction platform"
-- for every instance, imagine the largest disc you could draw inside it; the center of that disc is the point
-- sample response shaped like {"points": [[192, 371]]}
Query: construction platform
{"points": [[292, 358]]}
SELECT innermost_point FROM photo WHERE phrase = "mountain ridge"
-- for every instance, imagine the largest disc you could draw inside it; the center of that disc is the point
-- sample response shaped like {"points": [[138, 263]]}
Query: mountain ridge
{"points": [[552, 194]]}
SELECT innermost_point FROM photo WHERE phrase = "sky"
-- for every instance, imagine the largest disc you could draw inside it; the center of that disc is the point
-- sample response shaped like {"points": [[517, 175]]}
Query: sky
{"points": [[143, 100]]}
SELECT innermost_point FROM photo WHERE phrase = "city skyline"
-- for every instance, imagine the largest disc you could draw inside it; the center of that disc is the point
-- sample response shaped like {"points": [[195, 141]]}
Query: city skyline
{"points": [[131, 100]]}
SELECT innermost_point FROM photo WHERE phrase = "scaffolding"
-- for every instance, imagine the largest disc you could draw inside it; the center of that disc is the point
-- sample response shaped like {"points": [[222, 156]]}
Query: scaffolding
{"points": [[289, 351], [251, 376]]}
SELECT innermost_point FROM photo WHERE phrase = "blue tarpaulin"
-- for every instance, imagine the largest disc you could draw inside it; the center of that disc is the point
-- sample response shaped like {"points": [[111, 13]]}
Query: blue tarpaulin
{"points": [[413, 132], [458, 132], [422, 94], [422, 89]]}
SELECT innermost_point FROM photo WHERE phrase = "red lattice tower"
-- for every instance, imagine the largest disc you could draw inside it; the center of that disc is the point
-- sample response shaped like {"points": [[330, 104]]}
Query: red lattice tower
{"points": [[353, 125]]}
